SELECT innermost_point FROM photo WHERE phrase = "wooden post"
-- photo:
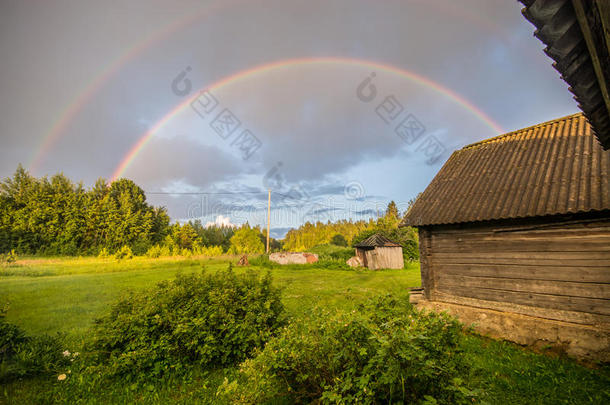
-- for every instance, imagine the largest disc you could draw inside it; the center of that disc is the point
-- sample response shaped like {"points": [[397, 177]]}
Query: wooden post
{"points": [[268, 218]]}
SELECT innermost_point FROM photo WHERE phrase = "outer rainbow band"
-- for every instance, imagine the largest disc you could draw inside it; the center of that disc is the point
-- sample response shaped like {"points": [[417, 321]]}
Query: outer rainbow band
{"points": [[287, 63]]}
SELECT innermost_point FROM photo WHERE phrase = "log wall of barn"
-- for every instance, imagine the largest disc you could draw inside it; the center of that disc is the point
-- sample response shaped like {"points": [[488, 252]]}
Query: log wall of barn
{"points": [[554, 269]]}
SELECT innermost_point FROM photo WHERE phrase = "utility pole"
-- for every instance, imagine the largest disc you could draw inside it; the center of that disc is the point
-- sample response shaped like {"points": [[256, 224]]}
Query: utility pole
{"points": [[268, 218]]}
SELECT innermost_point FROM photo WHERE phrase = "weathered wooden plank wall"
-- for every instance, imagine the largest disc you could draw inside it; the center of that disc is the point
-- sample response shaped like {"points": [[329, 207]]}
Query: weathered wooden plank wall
{"points": [[558, 266], [384, 258]]}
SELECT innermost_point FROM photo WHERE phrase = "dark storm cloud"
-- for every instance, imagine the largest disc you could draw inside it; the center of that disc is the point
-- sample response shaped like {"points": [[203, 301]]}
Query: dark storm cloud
{"points": [[181, 164]]}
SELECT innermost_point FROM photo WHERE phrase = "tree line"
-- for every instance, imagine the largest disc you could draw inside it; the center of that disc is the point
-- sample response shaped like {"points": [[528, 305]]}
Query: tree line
{"points": [[55, 216], [348, 233]]}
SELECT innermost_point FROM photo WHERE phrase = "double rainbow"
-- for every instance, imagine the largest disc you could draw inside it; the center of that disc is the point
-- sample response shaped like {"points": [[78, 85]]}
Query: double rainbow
{"points": [[291, 63]]}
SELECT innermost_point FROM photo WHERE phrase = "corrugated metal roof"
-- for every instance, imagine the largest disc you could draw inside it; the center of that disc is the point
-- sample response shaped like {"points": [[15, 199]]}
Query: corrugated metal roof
{"points": [[577, 36], [556, 167], [376, 240]]}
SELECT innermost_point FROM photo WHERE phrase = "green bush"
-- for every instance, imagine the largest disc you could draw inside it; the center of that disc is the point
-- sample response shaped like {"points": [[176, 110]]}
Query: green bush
{"points": [[22, 355], [124, 253], [333, 252], [103, 254], [338, 240], [9, 258], [165, 251], [209, 320], [141, 246], [154, 252], [383, 352], [211, 251]]}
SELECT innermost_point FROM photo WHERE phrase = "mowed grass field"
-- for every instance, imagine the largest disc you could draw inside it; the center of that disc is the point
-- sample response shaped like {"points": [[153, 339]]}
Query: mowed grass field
{"points": [[65, 295]]}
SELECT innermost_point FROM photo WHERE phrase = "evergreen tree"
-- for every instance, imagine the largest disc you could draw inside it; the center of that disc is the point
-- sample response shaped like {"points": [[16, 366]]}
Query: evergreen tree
{"points": [[392, 210]]}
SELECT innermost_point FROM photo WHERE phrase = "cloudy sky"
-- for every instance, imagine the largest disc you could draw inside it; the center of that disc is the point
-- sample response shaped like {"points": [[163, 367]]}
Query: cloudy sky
{"points": [[337, 106]]}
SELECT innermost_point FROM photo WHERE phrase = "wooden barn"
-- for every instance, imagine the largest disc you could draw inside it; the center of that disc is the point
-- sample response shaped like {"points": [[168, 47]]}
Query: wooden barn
{"points": [[514, 236], [378, 252]]}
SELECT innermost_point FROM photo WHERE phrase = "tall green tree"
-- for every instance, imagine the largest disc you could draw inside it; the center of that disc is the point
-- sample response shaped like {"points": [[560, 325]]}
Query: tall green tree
{"points": [[246, 240], [57, 216], [392, 210]]}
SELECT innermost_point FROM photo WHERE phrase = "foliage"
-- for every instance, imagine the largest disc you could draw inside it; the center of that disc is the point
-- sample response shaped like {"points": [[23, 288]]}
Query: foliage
{"points": [[210, 251], [8, 258], [74, 291], [22, 355], [338, 240], [183, 237], [246, 240], [124, 253], [309, 234], [333, 252], [392, 210], [210, 320], [103, 254], [56, 216], [154, 252], [383, 352], [214, 235]]}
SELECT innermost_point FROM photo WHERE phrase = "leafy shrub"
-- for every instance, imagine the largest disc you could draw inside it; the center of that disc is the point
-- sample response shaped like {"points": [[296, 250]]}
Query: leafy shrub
{"points": [[154, 252], [124, 253], [333, 252], [211, 320], [384, 352], [210, 251], [22, 355], [338, 240], [103, 254], [165, 251], [141, 247], [9, 258]]}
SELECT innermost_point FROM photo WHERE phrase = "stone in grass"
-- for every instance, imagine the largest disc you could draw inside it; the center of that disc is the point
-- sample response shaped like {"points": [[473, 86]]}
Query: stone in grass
{"points": [[293, 257]]}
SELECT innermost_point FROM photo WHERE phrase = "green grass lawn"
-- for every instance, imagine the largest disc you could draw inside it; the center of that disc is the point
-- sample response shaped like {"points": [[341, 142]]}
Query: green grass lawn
{"points": [[65, 295], [49, 296]]}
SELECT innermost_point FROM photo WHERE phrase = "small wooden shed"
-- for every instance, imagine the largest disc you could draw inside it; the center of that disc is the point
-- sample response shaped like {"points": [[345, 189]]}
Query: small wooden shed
{"points": [[378, 252], [514, 235]]}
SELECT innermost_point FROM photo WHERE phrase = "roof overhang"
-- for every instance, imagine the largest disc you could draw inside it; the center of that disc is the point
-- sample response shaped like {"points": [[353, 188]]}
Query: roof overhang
{"points": [[577, 36]]}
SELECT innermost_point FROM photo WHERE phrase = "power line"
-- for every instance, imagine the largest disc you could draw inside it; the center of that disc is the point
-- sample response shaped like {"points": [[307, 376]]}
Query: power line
{"points": [[203, 192], [293, 198]]}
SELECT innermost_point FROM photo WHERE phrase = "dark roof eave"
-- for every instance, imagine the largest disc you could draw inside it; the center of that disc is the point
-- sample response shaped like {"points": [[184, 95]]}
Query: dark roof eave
{"points": [[576, 35]]}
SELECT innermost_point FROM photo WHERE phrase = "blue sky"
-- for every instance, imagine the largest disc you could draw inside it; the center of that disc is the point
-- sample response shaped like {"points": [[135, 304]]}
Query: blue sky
{"points": [[326, 154]]}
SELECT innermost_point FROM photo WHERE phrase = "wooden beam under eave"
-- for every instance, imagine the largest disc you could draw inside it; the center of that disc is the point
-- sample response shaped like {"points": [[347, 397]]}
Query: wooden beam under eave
{"points": [[602, 7]]}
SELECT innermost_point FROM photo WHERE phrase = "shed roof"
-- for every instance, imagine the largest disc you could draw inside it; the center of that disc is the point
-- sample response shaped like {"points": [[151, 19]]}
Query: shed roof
{"points": [[577, 37], [556, 167], [377, 240]]}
